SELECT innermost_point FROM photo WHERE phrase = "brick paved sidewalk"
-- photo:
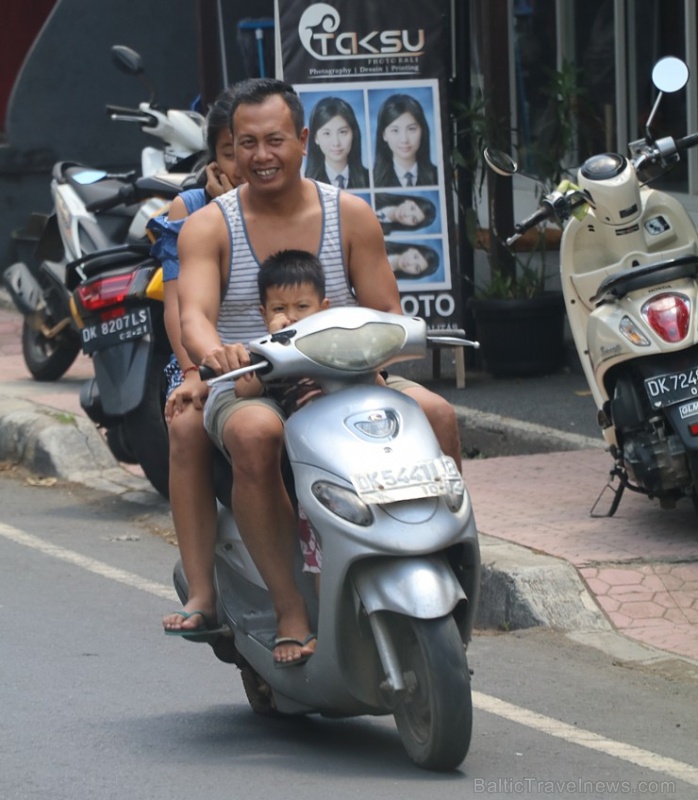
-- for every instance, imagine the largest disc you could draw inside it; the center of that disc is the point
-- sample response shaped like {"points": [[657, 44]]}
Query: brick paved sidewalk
{"points": [[641, 565]]}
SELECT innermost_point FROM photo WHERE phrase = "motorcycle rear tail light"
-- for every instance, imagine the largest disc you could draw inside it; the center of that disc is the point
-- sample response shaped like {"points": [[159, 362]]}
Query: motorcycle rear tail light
{"points": [[669, 316], [103, 292]]}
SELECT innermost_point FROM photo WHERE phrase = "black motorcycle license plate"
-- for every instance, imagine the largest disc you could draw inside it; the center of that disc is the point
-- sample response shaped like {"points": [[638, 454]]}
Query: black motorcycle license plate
{"points": [[100, 334], [675, 387]]}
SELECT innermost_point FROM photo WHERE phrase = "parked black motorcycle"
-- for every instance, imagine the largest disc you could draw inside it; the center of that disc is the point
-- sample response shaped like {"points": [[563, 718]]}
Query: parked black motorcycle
{"points": [[117, 306]]}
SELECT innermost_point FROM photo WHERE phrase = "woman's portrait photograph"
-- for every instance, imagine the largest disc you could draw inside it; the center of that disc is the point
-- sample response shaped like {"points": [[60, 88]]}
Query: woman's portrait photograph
{"points": [[398, 213], [414, 262], [335, 153], [403, 139]]}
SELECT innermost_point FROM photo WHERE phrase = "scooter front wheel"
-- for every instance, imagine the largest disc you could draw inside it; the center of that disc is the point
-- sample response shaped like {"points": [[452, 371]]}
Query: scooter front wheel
{"points": [[434, 716]]}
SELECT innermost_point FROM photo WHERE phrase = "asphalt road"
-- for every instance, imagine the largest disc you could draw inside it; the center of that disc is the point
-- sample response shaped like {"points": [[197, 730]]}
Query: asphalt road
{"points": [[97, 703], [561, 401]]}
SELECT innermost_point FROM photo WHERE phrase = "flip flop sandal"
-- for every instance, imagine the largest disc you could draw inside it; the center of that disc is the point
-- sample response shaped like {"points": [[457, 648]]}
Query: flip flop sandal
{"points": [[290, 640]]}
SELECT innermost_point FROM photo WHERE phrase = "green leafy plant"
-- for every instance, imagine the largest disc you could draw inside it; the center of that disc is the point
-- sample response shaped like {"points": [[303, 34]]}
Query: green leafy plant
{"points": [[477, 128]]}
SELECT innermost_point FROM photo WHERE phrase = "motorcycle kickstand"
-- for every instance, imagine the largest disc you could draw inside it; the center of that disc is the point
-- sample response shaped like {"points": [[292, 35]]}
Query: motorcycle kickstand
{"points": [[622, 475]]}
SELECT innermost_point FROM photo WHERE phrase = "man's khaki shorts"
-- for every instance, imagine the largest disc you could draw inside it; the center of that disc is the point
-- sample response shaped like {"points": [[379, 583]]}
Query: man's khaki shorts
{"points": [[222, 403]]}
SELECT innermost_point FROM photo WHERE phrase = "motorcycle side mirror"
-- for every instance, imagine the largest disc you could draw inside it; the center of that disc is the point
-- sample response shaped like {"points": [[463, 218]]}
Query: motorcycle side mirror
{"points": [[127, 60], [670, 74], [89, 176], [500, 162], [130, 62]]}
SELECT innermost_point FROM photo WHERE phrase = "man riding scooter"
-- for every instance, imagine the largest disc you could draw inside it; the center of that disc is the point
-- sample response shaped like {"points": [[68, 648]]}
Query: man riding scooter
{"points": [[275, 210]]}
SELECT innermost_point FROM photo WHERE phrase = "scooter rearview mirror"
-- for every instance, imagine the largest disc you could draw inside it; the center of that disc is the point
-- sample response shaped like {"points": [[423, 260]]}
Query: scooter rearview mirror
{"points": [[670, 74], [130, 62], [127, 60], [500, 162]]}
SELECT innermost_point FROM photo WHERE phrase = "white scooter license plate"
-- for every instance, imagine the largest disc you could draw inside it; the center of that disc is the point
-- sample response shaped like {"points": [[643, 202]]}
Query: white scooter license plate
{"points": [[676, 387], [410, 482], [130, 325]]}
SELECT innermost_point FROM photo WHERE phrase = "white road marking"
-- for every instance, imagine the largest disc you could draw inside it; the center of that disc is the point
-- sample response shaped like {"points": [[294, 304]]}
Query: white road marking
{"points": [[89, 564], [588, 739], [493, 705]]}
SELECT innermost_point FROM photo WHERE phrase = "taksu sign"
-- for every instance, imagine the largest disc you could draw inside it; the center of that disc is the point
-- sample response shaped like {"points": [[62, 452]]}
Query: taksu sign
{"points": [[321, 34], [372, 78]]}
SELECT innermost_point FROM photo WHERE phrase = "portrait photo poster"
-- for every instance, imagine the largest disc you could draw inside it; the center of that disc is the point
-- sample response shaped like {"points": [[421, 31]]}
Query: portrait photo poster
{"points": [[374, 124]]}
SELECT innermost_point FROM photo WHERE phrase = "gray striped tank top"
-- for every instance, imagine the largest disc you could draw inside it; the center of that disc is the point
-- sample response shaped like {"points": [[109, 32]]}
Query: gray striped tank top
{"points": [[239, 319]]}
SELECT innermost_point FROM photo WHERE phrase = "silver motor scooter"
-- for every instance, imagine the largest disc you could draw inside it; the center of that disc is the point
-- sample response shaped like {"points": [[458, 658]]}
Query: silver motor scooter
{"points": [[400, 556]]}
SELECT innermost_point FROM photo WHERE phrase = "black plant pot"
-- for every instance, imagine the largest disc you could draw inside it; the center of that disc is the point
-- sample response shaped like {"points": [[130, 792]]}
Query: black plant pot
{"points": [[521, 337]]}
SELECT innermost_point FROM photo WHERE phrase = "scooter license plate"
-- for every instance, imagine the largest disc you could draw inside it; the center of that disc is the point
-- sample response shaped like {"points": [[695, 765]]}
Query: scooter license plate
{"points": [[411, 482], [675, 387], [100, 334]]}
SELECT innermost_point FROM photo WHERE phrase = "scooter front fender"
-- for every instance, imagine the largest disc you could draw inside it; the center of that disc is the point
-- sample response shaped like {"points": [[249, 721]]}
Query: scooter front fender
{"points": [[424, 587]]}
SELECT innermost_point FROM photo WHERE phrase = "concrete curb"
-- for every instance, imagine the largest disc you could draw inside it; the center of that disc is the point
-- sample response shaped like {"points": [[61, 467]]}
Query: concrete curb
{"points": [[523, 589], [497, 436], [54, 443]]}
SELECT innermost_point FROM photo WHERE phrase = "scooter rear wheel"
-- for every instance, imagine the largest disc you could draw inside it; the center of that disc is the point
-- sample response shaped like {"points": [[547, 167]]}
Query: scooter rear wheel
{"points": [[47, 359], [435, 715], [259, 694]]}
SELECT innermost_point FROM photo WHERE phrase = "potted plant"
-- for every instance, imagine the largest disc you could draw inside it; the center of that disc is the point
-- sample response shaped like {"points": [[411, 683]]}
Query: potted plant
{"points": [[519, 319]]}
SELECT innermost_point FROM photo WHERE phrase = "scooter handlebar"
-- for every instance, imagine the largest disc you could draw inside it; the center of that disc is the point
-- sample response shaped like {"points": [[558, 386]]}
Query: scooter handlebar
{"points": [[541, 215], [124, 196], [123, 114], [209, 375], [449, 338], [544, 213], [687, 142]]}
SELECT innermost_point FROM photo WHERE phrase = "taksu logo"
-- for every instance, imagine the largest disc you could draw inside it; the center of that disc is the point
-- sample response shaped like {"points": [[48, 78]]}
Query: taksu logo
{"points": [[320, 34]]}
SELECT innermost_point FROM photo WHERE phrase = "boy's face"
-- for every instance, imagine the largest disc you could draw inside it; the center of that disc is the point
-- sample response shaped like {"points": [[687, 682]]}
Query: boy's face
{"points": [[291, 303]]}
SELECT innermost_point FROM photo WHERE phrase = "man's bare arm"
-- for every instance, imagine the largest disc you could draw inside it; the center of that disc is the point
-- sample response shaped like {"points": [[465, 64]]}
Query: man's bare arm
{"points": [[199, 282], [369, 270], [203, 254]]}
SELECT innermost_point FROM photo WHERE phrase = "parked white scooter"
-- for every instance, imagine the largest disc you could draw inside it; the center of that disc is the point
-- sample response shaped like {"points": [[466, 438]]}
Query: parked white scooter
{"points": [[94, 211], [400, 557], [629, 271], [180, 131]]}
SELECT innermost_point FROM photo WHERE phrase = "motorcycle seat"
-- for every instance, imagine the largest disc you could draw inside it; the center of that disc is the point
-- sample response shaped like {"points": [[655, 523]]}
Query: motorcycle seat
{"points": [[67, 171]]}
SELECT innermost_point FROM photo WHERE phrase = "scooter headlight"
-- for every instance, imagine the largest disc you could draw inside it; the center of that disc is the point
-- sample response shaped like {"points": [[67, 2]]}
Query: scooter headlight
{"points": [[355, 349], [343, 502]]}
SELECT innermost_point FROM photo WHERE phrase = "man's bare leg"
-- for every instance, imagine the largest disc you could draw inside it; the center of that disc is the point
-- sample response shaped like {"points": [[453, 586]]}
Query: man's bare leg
{"points": [[442, 419], [253, 436]]}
